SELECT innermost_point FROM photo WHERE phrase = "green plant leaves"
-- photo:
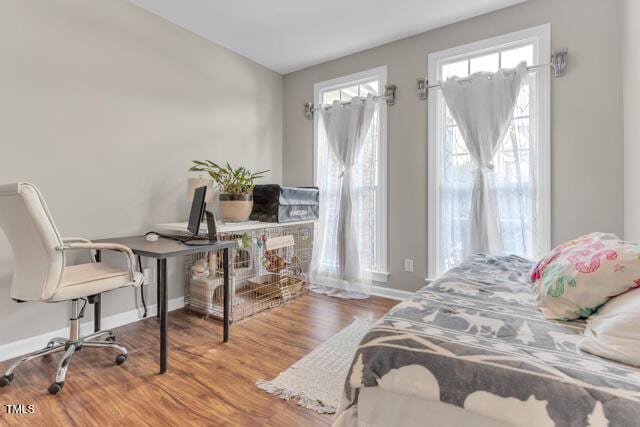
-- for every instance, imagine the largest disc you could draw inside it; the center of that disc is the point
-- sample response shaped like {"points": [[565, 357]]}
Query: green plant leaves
{"points": [[228, 179]]}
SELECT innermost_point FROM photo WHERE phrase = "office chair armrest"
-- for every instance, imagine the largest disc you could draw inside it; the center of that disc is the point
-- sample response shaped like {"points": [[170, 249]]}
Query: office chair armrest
{"points": [[75, 240], [131, 259], [79, 240]]}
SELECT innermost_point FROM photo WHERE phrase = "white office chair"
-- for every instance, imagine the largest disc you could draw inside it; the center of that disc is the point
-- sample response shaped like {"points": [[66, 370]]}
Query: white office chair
{"points": [[40, 273]]}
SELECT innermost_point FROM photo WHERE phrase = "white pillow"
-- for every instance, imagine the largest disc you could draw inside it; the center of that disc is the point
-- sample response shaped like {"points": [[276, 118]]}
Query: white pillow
{"points": [[613, 332], [581, 275]]}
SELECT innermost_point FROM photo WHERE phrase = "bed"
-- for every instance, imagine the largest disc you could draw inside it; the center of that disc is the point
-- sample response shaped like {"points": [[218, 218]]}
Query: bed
{"points": [[471, 348]]}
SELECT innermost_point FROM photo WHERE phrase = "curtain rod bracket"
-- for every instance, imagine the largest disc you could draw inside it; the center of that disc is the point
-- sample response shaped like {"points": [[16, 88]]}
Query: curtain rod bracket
{"points": [[308, 110], [422, 88], [559, 62], [390, 94]]}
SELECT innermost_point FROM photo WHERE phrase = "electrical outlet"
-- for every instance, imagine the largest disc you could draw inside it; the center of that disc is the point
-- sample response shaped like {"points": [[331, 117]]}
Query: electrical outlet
{"points": [[408, 265], [148, 276]]}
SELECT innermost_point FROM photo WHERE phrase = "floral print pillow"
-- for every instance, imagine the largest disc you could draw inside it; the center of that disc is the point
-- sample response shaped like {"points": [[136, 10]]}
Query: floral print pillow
{"points": [[579, 276]]}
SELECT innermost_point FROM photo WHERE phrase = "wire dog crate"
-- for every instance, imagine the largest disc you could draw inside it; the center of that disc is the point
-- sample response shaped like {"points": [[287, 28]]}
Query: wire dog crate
{"points": [[267, 269]]}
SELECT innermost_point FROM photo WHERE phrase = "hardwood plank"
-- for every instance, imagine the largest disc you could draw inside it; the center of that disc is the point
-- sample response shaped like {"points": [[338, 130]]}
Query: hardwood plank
{"points": [[208, 383]]}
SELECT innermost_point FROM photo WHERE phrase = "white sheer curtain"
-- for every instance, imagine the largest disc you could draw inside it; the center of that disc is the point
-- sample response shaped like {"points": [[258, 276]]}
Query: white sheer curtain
{"points": [[482, 107], [342, 257], [516, 182]]}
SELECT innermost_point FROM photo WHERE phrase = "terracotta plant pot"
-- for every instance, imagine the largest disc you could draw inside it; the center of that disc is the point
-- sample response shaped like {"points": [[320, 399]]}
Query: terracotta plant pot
{"points": [[236, 207]]}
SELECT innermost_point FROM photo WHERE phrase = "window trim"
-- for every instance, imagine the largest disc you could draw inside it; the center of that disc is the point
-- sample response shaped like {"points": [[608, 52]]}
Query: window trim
{"points": [[541, 37], [381, 273]]}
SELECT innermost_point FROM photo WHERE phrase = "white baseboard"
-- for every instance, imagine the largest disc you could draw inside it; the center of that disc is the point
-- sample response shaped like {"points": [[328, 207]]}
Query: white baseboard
{"points": [[27, 345], [397, 294]]}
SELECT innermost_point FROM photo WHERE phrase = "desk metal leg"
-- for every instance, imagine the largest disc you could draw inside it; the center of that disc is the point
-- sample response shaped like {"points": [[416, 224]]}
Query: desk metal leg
{"points": [[164, 315], [97, 305], [225, 269], [162, 311], [158, 291]]}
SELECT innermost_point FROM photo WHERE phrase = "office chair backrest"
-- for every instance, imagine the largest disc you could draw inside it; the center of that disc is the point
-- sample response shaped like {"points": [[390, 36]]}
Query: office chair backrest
{"points": [[34, 239]]}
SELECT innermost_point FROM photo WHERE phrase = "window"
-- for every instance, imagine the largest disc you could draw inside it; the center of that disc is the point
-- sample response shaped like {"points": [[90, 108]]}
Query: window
{"points": [[521, 166], [373, 182]]}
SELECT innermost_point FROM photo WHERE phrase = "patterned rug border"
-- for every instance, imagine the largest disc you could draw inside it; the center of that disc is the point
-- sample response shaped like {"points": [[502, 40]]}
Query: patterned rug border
{"points": [[302, 398]]}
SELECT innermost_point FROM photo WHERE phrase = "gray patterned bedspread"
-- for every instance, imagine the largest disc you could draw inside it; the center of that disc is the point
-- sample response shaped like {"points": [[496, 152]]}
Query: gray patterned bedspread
{"points": [[475, 339]]}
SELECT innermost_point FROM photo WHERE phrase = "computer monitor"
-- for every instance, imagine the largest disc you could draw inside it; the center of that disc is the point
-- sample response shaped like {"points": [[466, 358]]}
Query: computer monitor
{"points": [[198, 211]]}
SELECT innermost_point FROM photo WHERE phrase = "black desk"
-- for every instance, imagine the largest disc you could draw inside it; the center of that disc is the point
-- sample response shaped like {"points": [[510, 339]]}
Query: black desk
{"points": [[161, 250]]}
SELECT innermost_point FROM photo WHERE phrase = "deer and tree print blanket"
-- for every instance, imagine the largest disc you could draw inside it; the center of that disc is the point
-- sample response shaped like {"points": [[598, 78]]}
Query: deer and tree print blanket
{"points": [[475, 339]]}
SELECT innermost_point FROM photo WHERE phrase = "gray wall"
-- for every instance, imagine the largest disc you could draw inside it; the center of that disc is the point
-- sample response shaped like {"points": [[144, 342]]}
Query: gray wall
{"points": [[631, 83], [103, 106], [587, 140]]}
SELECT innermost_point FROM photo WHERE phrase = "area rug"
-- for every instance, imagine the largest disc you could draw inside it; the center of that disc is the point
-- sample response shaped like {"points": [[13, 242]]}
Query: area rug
{"points": [[316, 381]]}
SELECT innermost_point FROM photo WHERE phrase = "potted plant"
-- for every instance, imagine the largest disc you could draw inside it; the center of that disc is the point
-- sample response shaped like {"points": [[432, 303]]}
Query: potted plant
{"points": [[236, 188]]}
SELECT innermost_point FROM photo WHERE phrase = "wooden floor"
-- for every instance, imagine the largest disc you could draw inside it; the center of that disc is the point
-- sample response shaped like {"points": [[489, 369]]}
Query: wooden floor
{"points": [[208, 383]]}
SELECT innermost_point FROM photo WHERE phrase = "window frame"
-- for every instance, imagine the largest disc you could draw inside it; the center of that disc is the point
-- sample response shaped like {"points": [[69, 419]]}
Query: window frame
{"points": [[540, 36], [381, 273]]}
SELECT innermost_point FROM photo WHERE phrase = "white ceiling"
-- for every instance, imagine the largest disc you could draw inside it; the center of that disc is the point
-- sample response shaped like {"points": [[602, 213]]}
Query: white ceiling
{"points": [[288, 35]]}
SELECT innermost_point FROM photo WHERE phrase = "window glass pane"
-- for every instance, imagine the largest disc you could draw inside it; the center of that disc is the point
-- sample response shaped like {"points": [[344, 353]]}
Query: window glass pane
{"points": [[369, 88], [459, 69], [331, 96], [511, 58], [348, 92], [489, 63]]}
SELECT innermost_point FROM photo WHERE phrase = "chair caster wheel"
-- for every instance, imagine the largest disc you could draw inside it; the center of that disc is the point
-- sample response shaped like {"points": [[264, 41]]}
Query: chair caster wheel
{"points": [[5, 380], [56, 387], [121, 358], [110, 338]]}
